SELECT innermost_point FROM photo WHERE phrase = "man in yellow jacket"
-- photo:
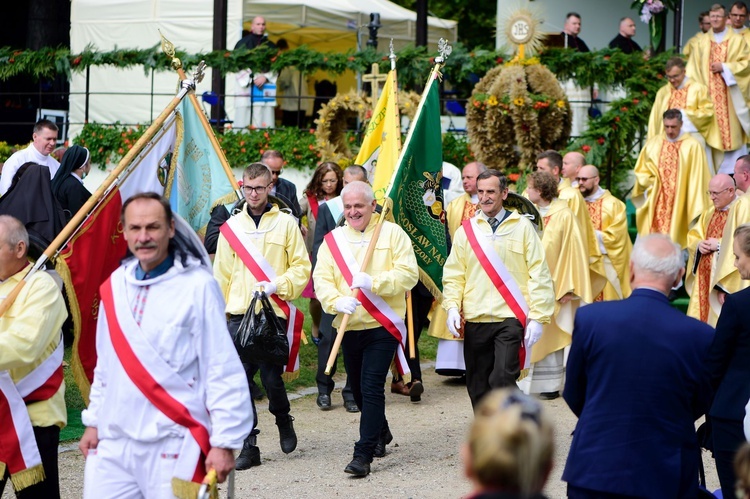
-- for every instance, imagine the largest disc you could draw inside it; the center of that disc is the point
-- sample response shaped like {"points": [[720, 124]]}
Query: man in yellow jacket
{"points": [[31, 379], [262, 248], [494, 252], [374, 299]]}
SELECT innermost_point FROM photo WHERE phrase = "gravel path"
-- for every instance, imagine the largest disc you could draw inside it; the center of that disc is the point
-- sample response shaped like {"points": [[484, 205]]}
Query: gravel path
{"points": [[422, 461]]}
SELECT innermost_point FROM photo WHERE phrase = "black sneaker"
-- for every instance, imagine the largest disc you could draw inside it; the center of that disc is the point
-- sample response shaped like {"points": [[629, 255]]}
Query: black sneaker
{"points": [[287, 436], [386, 437], [249, 455], [324, 402], [358, 467], [350, 406]]}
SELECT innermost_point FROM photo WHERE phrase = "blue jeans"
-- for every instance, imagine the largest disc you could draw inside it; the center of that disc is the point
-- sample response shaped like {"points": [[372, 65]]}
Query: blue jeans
{"points": [[367, 356]]}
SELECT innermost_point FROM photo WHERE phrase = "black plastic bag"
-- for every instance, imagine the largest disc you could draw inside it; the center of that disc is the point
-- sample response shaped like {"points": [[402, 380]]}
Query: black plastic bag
{"points": [[260, 338]]}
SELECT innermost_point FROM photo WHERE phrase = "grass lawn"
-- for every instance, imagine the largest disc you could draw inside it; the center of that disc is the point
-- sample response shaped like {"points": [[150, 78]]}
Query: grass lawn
{"points": [[308, 366]]}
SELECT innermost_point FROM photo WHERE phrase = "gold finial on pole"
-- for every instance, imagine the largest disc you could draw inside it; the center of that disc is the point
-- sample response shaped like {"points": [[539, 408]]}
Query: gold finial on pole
{"points": [[168, 48]]}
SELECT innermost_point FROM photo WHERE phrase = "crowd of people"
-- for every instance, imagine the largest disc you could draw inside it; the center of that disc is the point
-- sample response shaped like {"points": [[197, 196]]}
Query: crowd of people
{"points": [[533, 308]]}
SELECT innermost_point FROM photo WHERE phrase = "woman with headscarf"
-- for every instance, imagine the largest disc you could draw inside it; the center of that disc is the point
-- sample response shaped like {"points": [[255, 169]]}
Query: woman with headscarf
{"points": [[67, 186]]}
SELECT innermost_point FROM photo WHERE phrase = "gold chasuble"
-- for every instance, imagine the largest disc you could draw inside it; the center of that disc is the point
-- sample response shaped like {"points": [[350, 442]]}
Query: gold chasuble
{"points": [[698, 277], [691, 98], [728, 101], [457, 211], [568, 260], [726, 276], [609, 218], [691, 44], [671, 180], [572, 196]]}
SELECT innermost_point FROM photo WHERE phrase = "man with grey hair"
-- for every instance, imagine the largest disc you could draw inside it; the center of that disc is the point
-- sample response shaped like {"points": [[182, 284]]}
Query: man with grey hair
{"points": [[374, 299], [31, 381], [637, 367]]}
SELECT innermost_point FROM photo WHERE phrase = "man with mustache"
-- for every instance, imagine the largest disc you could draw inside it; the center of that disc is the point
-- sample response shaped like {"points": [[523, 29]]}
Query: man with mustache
{"points": [[497, 280], [44, 140], [169, 399]]}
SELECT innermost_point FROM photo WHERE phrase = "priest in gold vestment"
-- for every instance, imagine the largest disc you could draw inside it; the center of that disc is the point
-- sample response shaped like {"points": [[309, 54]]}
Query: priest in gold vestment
{"points": [[610, 221], [671, 180], [721, 61], [552, 163], [704, 24], [738, 18], [726, 277], [704, 241], [691, 98], [567, 259]]}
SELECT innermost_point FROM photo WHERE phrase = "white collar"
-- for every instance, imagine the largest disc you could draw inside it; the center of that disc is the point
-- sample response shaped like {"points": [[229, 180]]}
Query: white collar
{"points": [[595, 195]]}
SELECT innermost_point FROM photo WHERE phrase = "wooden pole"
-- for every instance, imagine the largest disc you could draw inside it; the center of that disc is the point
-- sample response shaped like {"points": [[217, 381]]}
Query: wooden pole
{"points": [[410, 324], [77, 221], [368, 256]]}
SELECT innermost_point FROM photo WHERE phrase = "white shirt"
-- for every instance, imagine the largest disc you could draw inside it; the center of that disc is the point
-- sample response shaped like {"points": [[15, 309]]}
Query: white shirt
{"points": [[19, 158], [183, 319]]}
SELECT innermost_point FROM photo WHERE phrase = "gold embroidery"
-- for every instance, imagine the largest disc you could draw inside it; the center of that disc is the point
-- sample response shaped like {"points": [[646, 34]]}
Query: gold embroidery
{"points": [[669, 165], [595, 212], [469, 210], [717, 88], [703, 275], [678, 98]]}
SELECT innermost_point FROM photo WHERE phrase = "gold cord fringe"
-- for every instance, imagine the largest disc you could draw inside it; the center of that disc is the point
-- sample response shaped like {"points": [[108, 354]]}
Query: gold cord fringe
{"points": [[289, 377], [27, 477], [184, 489]]}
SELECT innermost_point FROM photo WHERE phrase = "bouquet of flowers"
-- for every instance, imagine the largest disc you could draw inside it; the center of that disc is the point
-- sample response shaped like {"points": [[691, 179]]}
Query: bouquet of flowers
{"points": [[653, 13], [651, 7]]}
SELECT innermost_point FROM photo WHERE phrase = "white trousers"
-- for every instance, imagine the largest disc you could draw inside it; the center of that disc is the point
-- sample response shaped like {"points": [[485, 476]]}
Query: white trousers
{"points": [[127, 469]]}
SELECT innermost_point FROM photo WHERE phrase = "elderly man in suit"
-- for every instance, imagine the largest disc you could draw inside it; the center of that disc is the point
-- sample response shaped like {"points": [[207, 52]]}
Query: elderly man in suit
{"points": [[636, 380], [729, 368]]}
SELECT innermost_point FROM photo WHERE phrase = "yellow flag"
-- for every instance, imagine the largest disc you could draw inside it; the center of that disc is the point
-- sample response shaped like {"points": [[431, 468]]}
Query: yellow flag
{"points": [[382, 142]]}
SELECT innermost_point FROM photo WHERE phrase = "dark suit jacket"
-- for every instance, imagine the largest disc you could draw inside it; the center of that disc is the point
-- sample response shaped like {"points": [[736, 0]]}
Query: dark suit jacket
{"points": [[287, 192], [627, 45], [563, 40], [729, 358], [636, 380]]}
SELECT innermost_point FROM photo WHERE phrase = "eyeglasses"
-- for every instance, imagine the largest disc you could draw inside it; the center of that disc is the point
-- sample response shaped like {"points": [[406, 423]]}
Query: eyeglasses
{"points": [[713, 194], [258, 190], [335, 181], [277, 173], [583, 179], [674, 77]]}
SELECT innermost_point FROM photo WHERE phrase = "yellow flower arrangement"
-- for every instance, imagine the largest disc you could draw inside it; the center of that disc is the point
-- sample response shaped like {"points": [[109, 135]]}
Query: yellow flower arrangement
{"points": [[561, 104], [492, 101], [519, 101]]}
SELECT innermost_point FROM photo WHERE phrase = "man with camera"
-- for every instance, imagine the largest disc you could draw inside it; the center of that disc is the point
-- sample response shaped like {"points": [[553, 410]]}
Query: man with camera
{"points": [[261, 248]]}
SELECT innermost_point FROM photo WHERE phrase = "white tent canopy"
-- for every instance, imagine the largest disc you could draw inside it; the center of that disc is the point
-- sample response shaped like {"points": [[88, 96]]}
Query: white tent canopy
{"points": [[126, 95]]}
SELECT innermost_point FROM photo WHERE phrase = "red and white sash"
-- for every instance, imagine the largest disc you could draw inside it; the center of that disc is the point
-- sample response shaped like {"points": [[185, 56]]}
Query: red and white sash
{"points": [[261, 270], [501, 278], [159, 383], [18, 449], [314, 206], [374, 304]]}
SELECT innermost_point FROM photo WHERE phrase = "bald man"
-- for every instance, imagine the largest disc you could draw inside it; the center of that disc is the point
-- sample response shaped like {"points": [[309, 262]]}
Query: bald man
{"points": [[624, 39], [571, 163], [610, 222], [704, 240]]}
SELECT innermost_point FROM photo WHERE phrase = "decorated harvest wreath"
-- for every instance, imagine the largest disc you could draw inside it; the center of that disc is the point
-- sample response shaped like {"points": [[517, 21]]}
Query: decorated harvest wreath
{"points": [[330, 134], [519, 108]]}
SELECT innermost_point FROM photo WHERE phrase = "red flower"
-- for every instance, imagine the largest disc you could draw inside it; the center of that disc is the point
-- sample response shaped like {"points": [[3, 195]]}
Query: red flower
{"points": [[499, 60], [120, 150], [312, 130], [77, 61], [644, 92], [586, 148], [227, 54], [659, 76], [242, 150], [636, 101], [617, 118], [513, 177], [350, 58], [624, 109], [11, 60], [311, 147], [601, 141], [606, 57]]}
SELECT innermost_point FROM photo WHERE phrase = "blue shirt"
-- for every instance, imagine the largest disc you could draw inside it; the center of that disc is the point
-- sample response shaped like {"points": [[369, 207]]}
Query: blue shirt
{"points": [[160, 269]]}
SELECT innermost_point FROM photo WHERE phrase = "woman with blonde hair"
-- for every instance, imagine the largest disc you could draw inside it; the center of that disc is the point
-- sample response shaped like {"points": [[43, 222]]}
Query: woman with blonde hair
{"points": [[509, 451]]}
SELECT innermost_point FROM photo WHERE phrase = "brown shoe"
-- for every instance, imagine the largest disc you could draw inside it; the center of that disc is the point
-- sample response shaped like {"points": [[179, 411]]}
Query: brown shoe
{"points": [[400, 388]]}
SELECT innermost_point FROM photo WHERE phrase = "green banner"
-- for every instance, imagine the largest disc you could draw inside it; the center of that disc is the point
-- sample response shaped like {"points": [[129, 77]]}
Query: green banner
{"points": [[417, 193]]}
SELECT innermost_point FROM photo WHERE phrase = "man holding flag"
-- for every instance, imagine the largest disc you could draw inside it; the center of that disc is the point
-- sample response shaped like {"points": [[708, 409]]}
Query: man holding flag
{"points": [[376, 325], [496, 277], [262, 248]]}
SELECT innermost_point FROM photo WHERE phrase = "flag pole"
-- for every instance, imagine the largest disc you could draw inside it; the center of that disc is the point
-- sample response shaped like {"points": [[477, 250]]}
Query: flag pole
{"points": [[168, 48], [76, 222], [368, 256]]}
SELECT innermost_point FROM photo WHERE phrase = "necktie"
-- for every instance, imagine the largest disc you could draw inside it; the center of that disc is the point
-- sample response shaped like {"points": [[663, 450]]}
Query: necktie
{"points": [[493, 223]]}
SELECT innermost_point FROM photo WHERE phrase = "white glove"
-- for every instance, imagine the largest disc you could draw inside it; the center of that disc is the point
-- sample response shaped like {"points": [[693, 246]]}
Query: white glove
{"points": [[346, 304], [362, 280], [268, 287], [454, 322], [533, 332]]}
